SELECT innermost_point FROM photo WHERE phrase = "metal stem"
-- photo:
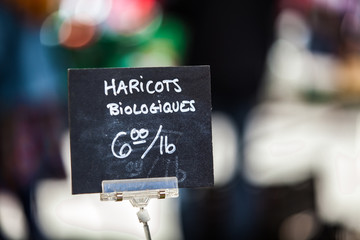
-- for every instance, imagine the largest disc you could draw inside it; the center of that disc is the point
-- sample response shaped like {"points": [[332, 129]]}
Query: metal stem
{"points": [[147, 231]]}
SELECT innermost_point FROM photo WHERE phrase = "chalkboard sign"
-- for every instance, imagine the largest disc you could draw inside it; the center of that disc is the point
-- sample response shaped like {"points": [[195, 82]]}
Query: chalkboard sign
{"points": [[140, 123]]}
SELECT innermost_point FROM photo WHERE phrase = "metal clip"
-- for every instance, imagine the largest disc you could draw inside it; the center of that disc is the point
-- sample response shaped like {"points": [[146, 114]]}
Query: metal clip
{"points": [[162, 194], [119, 197]]}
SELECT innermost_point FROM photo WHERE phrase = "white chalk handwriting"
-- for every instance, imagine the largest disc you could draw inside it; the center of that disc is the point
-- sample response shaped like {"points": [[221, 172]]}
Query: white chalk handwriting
{"points": [[138, 137], [136, 86]]}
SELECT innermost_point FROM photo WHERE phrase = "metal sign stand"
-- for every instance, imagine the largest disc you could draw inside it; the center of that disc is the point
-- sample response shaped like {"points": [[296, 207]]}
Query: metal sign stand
{"points": [[139, 192]]}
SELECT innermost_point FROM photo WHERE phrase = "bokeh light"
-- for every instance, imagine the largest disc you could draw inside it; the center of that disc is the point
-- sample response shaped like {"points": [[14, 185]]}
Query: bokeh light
{"points": [[130, 16], [76, 34]]}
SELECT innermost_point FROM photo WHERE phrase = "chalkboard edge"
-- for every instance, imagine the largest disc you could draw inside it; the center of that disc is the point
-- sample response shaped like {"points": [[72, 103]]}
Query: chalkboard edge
{"points": [[112, 68]]}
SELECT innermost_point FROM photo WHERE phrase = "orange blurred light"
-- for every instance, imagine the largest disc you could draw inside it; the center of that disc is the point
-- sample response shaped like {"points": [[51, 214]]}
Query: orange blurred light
{"points": [[36, 10], [76, 34]]}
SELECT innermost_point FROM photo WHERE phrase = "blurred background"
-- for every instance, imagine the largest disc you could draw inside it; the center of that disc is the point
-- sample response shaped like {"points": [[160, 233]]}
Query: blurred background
{"points": [[286, 123]]}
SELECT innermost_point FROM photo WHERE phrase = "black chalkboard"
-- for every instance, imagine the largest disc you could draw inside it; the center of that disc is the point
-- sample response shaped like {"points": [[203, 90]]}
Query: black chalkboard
{"points": [[140, 123]]}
